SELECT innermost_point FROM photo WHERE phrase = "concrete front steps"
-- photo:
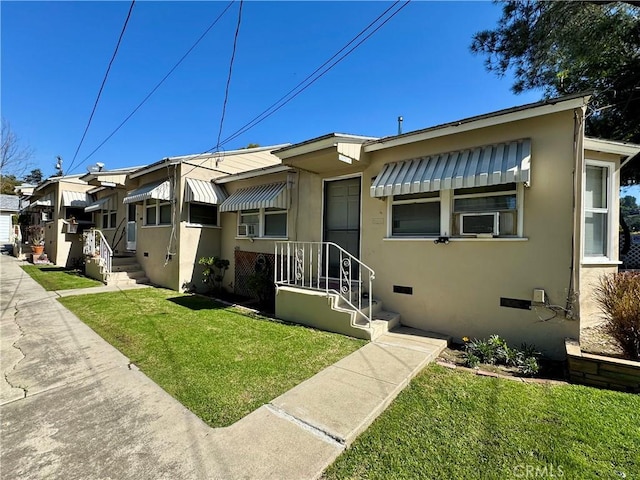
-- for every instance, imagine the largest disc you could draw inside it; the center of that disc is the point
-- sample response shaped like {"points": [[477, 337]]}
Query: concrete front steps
{"points": [[316, 309], [126, 270]]}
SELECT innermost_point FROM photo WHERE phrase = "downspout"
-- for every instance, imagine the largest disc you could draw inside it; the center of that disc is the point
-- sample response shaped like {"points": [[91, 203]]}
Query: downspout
{"points": [[572, 302]]}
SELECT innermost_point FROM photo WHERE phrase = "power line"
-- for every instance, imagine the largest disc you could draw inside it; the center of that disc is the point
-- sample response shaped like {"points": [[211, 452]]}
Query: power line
{"points": [[266, 113], [226, 90], [160, 83], [258, 118], [104, 80], [226, 94]]}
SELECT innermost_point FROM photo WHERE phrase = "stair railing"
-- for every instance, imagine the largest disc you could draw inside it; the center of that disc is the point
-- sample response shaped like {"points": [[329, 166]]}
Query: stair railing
{"points": [[326, 266], [96, 244]]}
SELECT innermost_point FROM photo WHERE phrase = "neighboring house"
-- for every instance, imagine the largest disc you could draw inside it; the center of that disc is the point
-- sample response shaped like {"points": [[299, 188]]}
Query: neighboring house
{"points": [[9, 206], [110, 214], [57, 202], [174, 205], [500, 223]]}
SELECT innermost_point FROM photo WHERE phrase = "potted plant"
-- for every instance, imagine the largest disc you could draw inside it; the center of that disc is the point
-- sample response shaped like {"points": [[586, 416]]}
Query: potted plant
{"points": [[36, 238]]}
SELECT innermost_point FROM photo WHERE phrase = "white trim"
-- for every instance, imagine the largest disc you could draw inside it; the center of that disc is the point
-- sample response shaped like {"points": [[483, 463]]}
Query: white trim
{"points": [[484, 122], [593, 263], [608, 146], [201, 225], [457, 239], [252, 173], [608, 258]]}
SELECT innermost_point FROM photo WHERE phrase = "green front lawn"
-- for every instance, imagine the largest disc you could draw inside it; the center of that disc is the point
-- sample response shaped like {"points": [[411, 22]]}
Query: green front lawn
{"points": [[217, 362], [456, 425], [52, 277]]}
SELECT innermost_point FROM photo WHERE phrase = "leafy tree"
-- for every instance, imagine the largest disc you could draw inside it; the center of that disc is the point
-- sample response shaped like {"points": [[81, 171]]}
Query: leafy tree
{"points": [[34, 178], [14, 158], [570, 47], [9, 184], [630, 211], [253, 145]]}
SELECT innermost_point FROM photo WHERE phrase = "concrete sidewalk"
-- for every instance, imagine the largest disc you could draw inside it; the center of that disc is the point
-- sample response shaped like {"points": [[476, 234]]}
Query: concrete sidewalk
{"points": [[73, 407]]}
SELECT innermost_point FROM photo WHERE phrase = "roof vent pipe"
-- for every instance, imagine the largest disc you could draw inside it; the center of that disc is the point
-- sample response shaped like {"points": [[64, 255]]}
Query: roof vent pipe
{"points": [[400, 125]]}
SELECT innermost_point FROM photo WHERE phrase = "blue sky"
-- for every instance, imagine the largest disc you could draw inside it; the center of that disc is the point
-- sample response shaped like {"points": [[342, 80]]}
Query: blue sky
{"points": [[54, 56]]}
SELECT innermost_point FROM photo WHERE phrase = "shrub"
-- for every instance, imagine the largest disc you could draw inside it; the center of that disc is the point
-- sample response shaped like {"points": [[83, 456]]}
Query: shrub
{"points": [[495, 350], [618, 296], [214, 271]]}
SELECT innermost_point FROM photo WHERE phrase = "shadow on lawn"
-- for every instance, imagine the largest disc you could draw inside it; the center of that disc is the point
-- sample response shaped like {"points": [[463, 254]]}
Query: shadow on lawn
{"points": [[196, 302]]}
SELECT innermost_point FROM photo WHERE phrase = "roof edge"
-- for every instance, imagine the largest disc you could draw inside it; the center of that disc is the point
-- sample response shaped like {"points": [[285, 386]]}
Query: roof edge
{"points": [[487, 119]]}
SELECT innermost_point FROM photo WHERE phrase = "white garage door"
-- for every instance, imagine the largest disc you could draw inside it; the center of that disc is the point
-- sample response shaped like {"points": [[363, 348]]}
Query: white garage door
{"points": [[5, 228]]}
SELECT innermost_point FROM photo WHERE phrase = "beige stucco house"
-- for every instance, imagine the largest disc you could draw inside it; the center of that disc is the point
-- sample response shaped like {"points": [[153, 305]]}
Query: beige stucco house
{"points": [[172, 212], [500, 223], [59, 202], [495, 224]]}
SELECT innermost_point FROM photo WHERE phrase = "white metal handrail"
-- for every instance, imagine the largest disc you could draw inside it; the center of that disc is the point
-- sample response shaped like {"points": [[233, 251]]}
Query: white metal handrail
{"points": [[96, 244], [307, 265]]}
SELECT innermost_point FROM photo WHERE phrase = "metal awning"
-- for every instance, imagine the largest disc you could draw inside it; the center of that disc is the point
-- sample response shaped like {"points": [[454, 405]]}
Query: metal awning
{"points": [[477, 167], [203, 192], [158, 190], [75, 199], [46, 201], [105, 203], [273, 195]]}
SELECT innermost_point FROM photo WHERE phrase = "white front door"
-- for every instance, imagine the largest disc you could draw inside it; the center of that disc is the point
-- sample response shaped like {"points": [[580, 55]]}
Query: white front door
{"points": [[131, 227]]}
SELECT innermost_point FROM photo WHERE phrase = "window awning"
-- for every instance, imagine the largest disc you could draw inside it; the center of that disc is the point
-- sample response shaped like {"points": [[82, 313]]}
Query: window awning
{"points": [[105, 203], [157, 190], [477, 167], [75, 199], [273, 195], [203, 192], [46, 201]]}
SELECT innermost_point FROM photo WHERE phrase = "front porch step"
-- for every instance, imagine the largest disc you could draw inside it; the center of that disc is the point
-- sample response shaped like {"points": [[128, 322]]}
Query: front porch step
{"points": [[126, 267], [124, 260], [127, 277], [382, 322]]}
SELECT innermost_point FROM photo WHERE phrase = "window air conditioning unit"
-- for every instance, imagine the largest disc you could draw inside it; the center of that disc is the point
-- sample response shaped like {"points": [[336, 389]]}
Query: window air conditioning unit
{"points": [[247, 230], [480, 224]]}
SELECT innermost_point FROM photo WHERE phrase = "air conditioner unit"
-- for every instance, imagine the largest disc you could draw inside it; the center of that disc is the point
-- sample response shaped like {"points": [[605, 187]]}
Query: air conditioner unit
{"points": [[480, 224], [247, 230]]}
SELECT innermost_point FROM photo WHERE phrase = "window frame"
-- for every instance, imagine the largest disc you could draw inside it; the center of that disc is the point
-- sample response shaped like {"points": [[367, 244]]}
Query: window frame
{"points": [[609, 235], [157, 205], [262, 213], [111, 216], [446, 197], [190, 221], [518, 211], [427, 199]]}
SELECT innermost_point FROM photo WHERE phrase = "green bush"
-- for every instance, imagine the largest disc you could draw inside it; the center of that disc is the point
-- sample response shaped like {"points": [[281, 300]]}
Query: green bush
{"points": [[495, 351], [214, 271], [618, 295]]}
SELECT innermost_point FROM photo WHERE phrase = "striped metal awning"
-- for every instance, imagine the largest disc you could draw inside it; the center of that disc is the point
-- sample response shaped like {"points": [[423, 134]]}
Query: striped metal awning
{"points": [[157, 190], [46, 201], [202, 191], [75, 199], [273, 195], [477, 167], [106, 203]]}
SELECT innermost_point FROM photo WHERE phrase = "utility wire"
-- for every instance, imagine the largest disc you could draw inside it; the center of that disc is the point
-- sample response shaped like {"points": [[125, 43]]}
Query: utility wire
{"points": [[226, 94], [226, 90], [161, 81], [263, 116], [266, 113], [104, 81]]}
